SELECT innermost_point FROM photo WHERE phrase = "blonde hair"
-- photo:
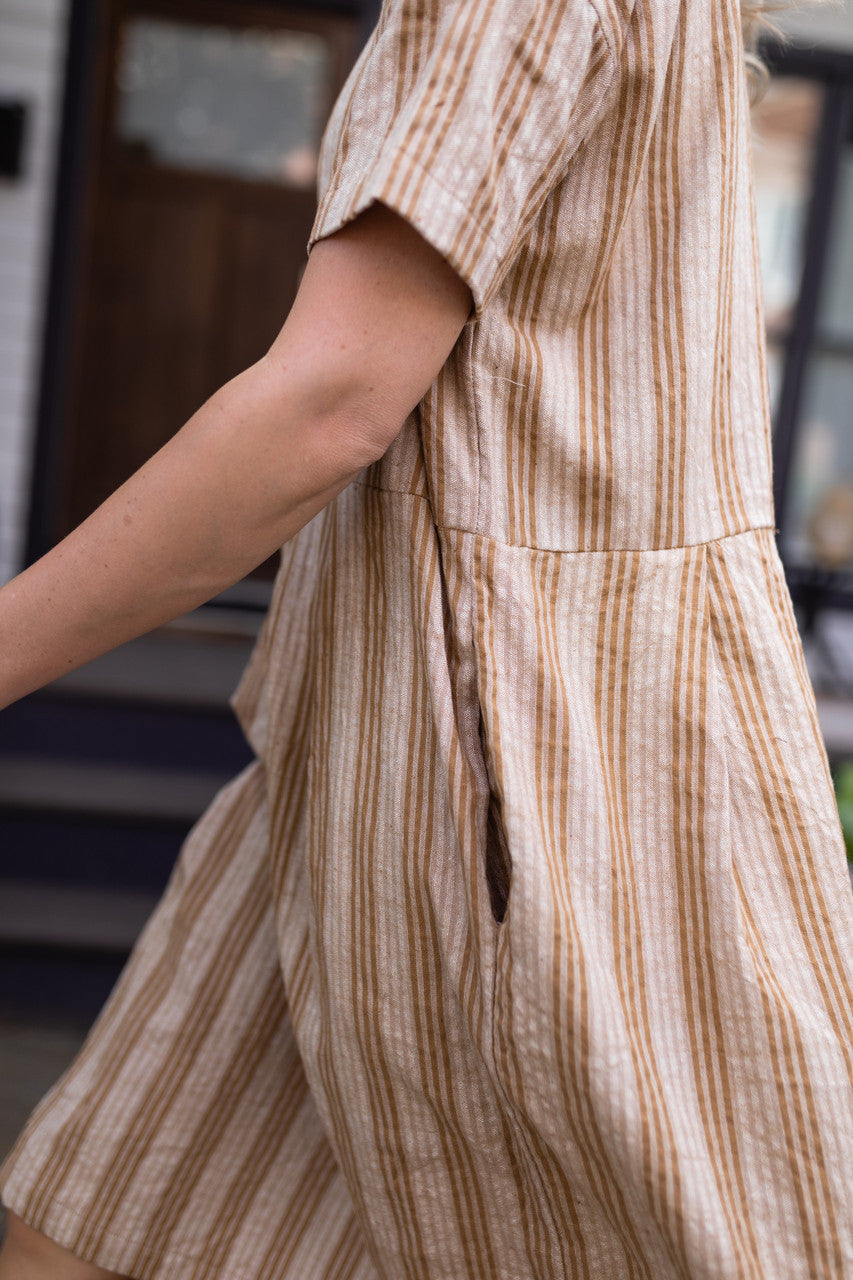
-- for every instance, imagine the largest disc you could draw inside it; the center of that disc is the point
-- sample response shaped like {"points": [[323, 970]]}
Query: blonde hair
{"points": [[756, 20]]}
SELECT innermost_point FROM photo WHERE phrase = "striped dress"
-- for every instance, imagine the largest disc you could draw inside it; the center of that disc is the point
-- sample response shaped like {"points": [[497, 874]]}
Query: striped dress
{"points": [[524, 948]]}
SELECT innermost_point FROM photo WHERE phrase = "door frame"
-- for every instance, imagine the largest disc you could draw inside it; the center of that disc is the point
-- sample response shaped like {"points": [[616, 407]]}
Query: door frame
{"points": [[88, 43]]}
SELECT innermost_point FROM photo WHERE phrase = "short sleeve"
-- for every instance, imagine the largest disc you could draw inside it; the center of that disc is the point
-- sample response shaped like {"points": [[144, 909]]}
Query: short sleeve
{"points": [[462, 116]]}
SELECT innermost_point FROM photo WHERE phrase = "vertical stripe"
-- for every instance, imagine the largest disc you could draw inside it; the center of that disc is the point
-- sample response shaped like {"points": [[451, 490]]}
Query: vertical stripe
{"points": [[813, 914], [569, 994], [700, 982], [133, 1008], [728, 102], [667, 318], [660, 1164], [424, 930]]}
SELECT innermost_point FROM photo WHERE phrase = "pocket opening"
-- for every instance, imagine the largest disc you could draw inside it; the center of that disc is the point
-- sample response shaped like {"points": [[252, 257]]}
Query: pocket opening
{"points": [[498, 862]]}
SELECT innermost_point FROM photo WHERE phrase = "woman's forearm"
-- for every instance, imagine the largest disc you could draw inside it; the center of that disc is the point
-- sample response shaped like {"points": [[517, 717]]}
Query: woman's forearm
{"points": [[247, 471], [376, 316]]}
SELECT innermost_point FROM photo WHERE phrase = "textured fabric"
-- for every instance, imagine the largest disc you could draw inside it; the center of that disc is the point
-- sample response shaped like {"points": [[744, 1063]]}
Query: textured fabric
{"points": [[557, 894], [160, 1153]]}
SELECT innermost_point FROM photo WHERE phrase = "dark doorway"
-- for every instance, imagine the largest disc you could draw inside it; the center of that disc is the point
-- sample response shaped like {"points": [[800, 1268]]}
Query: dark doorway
{"points": [[195, 196]]}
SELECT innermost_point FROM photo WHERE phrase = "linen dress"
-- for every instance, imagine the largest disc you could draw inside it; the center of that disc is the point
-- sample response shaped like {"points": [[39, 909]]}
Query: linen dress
{"points": [[524, 948]]}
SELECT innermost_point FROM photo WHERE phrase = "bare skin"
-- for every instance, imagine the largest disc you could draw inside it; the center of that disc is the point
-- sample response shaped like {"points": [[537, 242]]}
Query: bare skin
{"points": [[377, 314], [29, 1255]]}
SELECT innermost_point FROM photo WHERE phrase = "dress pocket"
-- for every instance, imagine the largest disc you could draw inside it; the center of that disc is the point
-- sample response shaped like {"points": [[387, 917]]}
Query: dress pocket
{"points": [[498, 861]]}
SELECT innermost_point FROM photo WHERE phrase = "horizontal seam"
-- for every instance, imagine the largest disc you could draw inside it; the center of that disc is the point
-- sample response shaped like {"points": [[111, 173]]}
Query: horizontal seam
{"points": [[610, 551], [563, 551]]}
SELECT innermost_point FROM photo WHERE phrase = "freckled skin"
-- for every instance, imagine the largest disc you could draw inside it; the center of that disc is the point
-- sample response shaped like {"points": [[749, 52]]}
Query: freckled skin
{"points": [[377, 313]]}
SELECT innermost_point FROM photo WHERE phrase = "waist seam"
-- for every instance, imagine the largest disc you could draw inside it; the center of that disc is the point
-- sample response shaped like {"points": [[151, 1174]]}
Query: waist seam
{"points": [[564, 551]]}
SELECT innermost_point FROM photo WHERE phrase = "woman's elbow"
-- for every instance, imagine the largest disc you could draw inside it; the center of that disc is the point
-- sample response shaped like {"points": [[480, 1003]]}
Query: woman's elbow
{"points": [[365, 433], [346, 415]]}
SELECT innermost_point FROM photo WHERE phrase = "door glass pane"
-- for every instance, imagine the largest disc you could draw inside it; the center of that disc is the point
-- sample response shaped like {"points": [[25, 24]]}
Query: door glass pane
{"points": [[820, 525], [835, 322], [785, 125], [820, 515], [249, 103], [775, 369]]}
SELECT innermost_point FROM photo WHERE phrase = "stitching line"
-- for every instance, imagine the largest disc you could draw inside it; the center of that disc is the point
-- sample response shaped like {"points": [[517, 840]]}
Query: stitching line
{"points": [[562, 551]]}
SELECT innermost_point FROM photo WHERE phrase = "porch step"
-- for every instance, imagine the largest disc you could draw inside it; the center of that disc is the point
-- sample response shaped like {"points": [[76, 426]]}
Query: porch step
{"points": [[102, 774], [194, 663], [60, 916], [106, 791]]}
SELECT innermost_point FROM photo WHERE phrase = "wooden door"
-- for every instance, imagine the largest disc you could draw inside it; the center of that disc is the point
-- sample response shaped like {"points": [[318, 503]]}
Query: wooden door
{"points": [[200, 204]]}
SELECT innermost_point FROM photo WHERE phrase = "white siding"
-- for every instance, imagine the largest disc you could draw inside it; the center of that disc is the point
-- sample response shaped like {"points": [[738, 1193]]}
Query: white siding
{"points": [[820, 22], [32, 36]]}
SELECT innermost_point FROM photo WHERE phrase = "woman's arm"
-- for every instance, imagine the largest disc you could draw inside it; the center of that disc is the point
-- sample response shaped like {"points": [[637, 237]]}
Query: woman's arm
{"points": [[377, 314]]}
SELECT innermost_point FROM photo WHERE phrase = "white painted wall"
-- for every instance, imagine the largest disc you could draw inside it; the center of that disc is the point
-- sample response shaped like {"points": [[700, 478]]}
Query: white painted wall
{"points": [[820, 22], [32, 38]]}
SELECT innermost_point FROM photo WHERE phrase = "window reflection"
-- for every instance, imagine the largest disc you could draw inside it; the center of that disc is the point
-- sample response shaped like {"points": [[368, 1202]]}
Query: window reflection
{"points": [[249, 103], [785, 124], [775, 371], [820, 519], [820, 522], [835, 319]]}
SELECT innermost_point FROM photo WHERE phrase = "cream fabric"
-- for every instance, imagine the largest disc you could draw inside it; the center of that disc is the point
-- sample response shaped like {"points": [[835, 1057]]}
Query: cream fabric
{"points": [[545, 642]]}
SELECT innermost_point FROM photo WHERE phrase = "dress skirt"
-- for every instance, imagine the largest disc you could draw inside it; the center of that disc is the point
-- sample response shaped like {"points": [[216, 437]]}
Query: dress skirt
{"points": [[578, 1002]]}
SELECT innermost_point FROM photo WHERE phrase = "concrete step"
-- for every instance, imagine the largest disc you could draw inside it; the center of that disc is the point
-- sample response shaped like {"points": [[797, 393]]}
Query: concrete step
{"points": [[106, 791], [193, 663], [70, 918]]}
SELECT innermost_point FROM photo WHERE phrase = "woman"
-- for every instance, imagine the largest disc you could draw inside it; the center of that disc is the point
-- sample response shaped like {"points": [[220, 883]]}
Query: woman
{"points": [[524, 948]]}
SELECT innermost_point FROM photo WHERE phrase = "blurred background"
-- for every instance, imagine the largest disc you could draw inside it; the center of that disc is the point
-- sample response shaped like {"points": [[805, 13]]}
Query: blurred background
{"points": [[157, 170]]}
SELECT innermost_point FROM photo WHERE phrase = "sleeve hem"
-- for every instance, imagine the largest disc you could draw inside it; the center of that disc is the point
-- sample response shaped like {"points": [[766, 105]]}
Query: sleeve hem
{"points": [[435, 212]]}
